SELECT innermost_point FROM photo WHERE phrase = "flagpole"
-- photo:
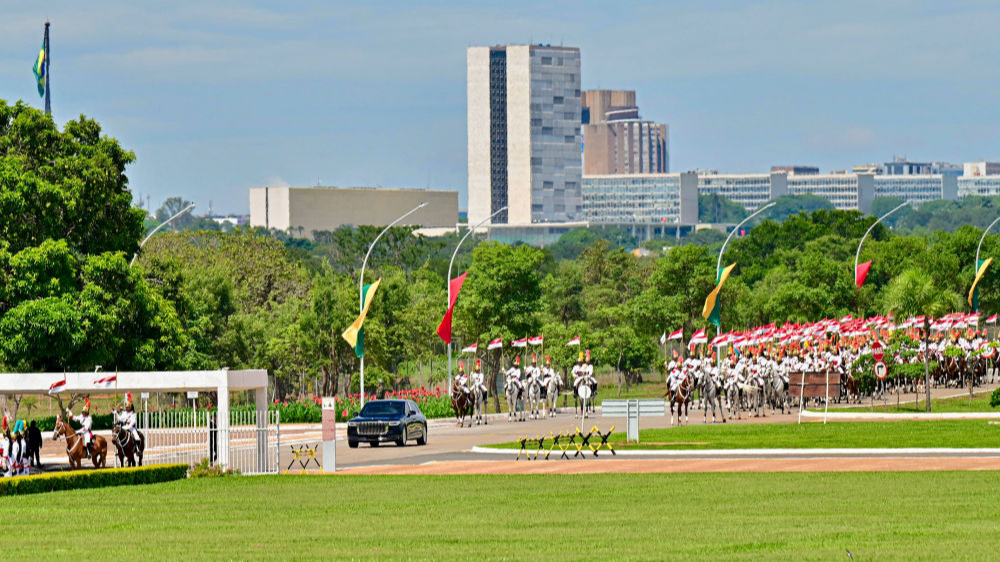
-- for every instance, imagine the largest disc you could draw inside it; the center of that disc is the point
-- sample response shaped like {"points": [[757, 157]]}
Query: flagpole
{"points": [[361, 291], [718, 264], [448, 281], [48, 69], [975, 268]]}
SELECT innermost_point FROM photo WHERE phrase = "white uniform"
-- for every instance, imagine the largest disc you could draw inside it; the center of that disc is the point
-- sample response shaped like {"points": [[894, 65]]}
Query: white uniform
{"points": [[86, 424], [577, 374], [477, 380], [5, 463], [463, 382], [514, 373]]}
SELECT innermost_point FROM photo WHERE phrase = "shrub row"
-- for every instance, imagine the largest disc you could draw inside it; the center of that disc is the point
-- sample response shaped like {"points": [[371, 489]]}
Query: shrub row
{"points": [[39, 483]]}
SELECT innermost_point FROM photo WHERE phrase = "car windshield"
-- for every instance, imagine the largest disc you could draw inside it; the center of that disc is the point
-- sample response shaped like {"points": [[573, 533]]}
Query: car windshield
{"points": [[382, 409]]}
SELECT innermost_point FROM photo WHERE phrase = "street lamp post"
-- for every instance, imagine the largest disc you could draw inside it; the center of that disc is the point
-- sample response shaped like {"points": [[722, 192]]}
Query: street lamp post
{"points": [[975, 267], [155, 230], [361, 284], [718, 264], [867, 232], [452, 262]]}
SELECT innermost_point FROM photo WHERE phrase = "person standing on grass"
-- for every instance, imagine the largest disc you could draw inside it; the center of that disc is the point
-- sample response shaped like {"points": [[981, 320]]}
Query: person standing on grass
{"points": [[5, 445], [34, 445]]}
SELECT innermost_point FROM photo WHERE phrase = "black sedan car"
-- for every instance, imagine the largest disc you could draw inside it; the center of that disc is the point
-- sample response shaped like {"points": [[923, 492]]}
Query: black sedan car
{"points": [[387, 420]]}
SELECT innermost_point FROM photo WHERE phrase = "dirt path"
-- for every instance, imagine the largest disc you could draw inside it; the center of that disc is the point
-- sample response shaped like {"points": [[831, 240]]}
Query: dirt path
{"points": [[700, 465]]}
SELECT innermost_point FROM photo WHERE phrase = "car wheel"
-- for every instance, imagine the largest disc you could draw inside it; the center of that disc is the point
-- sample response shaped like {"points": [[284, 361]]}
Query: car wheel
{"points": [[352, 444], [375, 443], [401, 442], [422, 440]]}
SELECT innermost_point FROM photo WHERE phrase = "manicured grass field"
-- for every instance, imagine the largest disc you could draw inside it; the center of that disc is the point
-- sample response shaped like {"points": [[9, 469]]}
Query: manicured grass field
{"points": [[980, 403], [814, 435], [787, 516]]}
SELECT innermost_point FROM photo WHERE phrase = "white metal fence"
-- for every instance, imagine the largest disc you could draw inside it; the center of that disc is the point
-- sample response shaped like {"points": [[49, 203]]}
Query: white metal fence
{"points": [[248, 443]]}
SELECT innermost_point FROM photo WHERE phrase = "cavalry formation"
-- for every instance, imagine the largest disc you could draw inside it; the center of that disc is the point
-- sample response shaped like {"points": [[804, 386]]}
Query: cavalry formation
{"points": [[533, 394], [750, 372]]}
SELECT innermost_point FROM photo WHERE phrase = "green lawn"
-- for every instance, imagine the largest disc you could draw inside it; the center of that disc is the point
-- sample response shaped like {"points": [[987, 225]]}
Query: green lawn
{"points": [[980, 403], [814, 435], [814, 516]]}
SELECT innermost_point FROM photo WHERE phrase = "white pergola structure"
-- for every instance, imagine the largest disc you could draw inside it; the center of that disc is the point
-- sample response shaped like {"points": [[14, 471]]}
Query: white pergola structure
{"points": [[222, 381]]}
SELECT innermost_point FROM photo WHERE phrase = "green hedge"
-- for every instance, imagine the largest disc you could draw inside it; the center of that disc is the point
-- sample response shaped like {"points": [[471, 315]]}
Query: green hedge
{"points": [[39, 483]]}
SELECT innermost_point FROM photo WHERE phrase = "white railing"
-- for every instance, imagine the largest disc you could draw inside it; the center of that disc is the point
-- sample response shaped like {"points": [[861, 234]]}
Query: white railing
{"points": [[248, 443]]}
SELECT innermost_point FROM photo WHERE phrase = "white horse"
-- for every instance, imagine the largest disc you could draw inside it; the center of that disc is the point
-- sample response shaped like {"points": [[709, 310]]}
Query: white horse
{"points": [[513, 389], [710, 399], [552, 389], [534, 397], [479, 405]]}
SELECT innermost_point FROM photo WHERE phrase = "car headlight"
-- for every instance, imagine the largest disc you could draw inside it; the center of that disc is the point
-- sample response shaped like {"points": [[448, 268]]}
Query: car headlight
{"points": [[393, 424]]}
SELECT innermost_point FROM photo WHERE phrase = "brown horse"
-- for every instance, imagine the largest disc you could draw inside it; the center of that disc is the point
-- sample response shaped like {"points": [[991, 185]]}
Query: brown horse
{"points": [[682, 398], [462, 403], [74, 446]]}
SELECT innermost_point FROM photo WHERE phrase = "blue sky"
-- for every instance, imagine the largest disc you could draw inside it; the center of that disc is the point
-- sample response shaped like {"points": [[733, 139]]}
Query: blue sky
{"points": [[216, 97]]}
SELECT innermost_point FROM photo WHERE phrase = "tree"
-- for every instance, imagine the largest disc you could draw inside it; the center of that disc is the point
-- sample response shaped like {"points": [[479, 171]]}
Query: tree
{"points": [[171, 207], [714, 208], [914, 293], [791, 205], [67, 185]]}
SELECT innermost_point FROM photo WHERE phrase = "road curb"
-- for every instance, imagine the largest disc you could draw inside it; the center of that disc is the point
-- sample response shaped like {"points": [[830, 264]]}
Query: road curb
{"points": [[778, 453]]}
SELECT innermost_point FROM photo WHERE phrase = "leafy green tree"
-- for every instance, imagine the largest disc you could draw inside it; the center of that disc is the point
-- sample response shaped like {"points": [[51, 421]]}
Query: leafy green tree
{"points": [[714, 208], [914, 293], [64, 185]]}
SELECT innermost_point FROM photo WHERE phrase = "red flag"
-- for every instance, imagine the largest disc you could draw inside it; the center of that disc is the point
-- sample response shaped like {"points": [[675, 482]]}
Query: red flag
{"points": [[861, 273], [444, 328]]}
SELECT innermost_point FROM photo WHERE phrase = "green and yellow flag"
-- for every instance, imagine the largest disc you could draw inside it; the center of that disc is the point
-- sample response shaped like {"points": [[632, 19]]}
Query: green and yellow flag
{"points": [[353, 333], [973, 292], [39, 70], [712, 311]]}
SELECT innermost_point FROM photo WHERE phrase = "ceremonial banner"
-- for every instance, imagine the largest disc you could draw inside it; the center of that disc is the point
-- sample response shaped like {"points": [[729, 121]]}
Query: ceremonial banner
{"points": [[574, 341], [712, 310], [353, 334], [471, 349], [523, 342], [495, 344], [444, 328], [698, 337], [973, 292], [537, 340], [676, 335], [861, 272]]}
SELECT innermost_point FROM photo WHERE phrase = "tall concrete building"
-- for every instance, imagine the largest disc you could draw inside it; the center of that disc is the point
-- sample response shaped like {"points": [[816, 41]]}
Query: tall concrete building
{"points": [[617, 140], [524, 133]]}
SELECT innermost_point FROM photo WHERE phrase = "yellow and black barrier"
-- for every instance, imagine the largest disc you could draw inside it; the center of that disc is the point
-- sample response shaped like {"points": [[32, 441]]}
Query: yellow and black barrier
{"points": [[565, 442], [304, 455]]}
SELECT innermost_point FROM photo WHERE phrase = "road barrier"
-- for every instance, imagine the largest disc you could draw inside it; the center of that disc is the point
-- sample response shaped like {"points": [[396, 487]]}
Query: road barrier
{"points": [[566, 442], [304, 452], [632, 410]]}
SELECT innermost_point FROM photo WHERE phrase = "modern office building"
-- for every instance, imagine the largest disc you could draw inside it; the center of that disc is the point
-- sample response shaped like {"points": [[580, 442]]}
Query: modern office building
{"points": [[641, 199], [985, 186], [847, 192], [524, 123], [749, 190], [917, 189], [300, 211], [616, 140]]}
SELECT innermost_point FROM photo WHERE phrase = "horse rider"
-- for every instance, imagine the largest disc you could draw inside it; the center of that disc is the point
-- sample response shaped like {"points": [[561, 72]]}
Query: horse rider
{"points": [[462, 380], [532, 371], [514, 373], [478, 379], [577, 370], [588, 368], [547, 372], [128, 418], [15, 461], [86, 427]]}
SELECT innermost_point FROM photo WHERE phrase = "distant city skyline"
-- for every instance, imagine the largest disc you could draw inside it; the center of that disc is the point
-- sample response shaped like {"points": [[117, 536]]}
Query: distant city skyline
{"points": [[217, 98]]}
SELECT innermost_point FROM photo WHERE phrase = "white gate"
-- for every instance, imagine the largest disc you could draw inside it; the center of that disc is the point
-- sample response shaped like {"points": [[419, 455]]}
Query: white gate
{"points": [[249, 443]]}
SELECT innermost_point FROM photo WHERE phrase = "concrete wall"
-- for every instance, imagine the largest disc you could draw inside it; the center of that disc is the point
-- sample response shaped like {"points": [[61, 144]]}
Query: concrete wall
{"points": [[478, 102], [327, 208], [269, 207], [689, 198]]}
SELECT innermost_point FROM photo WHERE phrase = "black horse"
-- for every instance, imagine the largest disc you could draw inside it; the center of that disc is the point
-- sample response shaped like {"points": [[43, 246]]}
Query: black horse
{"points": [[127, 447]]}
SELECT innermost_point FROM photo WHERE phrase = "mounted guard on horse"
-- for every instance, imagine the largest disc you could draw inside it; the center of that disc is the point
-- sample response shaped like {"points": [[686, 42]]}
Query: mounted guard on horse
{"points": [[130, 443]]}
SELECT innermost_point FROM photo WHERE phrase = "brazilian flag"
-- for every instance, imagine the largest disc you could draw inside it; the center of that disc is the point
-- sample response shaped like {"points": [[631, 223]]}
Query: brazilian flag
{"points": [[981, 266], [712, 310], [39, 70]]}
